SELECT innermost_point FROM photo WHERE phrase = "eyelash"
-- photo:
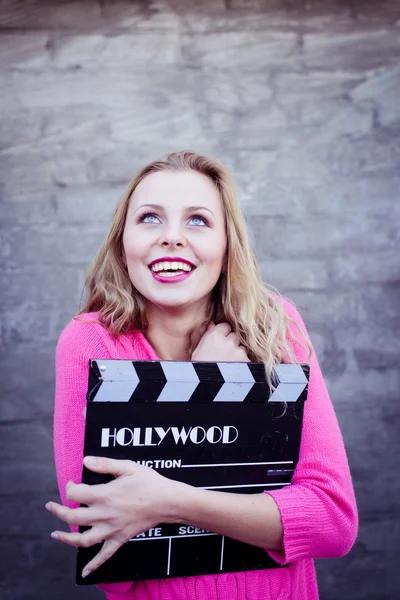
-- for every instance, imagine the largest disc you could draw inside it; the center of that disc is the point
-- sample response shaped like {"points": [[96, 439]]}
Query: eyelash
{"points": [[144, 215], [151, 214]]}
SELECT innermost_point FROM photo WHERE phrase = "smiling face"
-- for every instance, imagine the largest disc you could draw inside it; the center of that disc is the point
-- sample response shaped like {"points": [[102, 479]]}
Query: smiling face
{"points": [[174, 239]]}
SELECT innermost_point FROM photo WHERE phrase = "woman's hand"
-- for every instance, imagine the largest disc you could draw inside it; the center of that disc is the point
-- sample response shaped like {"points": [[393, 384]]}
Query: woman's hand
{"points": [[220, 343], [137, 500]]}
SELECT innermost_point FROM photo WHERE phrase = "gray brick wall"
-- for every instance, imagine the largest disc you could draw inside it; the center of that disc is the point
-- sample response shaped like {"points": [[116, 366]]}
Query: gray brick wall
{"points": [[301, 99]]}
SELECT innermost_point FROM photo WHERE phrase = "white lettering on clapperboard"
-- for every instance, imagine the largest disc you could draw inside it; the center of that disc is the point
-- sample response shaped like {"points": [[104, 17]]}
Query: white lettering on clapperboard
{"points": [[154, 436]]}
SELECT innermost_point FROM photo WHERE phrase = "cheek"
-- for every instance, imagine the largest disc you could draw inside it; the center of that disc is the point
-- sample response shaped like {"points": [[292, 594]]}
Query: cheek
{"points": [[213, 249], [213, 259], [216, 253], [133, 247]]}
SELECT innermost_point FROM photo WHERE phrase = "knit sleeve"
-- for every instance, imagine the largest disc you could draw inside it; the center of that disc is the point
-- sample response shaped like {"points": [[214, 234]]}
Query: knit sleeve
{"points": [[79, 342], [318, 511]]}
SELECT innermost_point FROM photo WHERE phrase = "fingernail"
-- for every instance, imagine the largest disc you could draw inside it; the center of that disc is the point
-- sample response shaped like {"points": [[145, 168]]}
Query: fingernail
{"points": [[47, 506], [90, 461], [85, 573], [55, 535]]}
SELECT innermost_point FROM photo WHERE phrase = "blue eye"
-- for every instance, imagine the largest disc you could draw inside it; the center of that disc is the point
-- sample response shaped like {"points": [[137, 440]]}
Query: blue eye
{"points": [[199, 220], [148, 218]]}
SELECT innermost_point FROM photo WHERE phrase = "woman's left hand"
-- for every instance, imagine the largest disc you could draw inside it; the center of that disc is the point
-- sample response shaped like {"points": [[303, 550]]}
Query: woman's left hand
{"points": [[137, 499]]}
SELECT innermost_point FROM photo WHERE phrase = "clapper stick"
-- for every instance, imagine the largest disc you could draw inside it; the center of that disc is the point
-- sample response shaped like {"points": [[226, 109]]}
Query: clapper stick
{"points": [[211, 425]]}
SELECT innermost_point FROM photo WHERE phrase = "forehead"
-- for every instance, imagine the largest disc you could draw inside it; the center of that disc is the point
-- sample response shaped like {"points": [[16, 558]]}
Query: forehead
{"points": [[177, 189]]}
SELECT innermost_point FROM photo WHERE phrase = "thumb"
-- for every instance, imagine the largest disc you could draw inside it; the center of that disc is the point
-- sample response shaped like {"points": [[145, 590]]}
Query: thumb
{"points": [[111, 466]]}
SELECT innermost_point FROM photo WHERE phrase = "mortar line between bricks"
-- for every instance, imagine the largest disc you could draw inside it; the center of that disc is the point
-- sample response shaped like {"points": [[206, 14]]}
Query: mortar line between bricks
{"points": [[45, 420]]}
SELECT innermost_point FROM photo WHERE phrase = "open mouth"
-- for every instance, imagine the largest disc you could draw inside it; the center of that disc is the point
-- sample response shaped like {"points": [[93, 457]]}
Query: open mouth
{"points": [[171, 268]]}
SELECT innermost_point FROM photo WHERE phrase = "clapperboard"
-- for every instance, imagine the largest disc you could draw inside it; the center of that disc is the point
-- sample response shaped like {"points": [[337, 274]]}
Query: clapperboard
{"points": [[212, 425]]}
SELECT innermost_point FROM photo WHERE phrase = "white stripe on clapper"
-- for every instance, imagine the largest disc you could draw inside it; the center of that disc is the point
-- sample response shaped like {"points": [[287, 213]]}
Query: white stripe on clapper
{"points": [[222, 553], [119, 381], [292, 382], [171, 537], [238, 381], [117, 370], [169, 555], [250, 464], [182, 380]]}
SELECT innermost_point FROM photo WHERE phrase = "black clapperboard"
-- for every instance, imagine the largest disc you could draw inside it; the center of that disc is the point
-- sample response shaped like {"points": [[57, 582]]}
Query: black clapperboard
{"points": [[212, 425]]}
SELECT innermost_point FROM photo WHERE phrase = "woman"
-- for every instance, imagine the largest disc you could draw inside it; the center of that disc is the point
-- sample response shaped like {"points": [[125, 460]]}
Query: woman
{"points": [[175, 279]]}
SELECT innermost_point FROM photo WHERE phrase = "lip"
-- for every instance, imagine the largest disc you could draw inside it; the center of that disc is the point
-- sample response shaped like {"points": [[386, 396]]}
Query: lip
{"points": [[174, 279], [172, 259]]}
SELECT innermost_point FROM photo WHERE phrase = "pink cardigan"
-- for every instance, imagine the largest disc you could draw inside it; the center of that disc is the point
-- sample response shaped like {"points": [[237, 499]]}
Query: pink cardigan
{"points": [[318, 511]]}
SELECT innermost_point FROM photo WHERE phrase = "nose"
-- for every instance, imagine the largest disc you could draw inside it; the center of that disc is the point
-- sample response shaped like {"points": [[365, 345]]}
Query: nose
{"points": [[167, 243], [174, 239]]}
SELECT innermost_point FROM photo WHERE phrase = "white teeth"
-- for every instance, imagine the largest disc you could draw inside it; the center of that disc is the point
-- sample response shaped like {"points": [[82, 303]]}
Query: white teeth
{"points": [[170, 266]]}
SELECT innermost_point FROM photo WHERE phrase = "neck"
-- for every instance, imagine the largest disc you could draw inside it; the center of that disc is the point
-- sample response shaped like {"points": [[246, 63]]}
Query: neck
{"points": [[168, 330]]}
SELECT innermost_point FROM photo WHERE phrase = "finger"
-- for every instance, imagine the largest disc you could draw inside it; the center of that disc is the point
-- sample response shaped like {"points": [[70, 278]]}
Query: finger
{"points": [[72, 516], [223, 328], [233, 338], [108, 465], [245, 358], [109, 548], [79, 540], [81, 493]]}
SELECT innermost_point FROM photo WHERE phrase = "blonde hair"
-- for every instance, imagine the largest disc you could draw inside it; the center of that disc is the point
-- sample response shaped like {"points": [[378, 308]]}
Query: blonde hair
{"points": [[253, 309]]}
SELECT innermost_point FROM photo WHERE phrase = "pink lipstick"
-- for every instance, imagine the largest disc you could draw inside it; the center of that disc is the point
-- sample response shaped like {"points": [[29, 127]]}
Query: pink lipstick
{"points": [[171, 278], [175, 275]]}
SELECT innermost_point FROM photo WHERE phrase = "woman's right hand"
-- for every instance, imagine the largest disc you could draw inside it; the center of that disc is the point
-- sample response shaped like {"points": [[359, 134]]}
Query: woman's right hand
{"points": [[220, 344]]}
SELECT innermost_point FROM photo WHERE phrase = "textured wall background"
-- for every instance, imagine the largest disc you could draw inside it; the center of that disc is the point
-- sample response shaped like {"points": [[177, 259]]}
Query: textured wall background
{"points": [[301, 98]]}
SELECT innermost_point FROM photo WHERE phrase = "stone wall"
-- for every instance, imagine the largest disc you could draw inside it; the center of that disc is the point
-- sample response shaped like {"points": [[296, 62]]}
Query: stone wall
{"points": [[301, 99]]}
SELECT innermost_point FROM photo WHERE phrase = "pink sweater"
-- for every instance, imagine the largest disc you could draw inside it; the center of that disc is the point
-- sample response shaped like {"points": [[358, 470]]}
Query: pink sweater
{"points": [[318, 511]]}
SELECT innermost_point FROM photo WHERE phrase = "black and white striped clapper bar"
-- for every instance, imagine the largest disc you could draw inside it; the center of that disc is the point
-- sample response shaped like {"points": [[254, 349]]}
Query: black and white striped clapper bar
{"points": [[211, 425]]}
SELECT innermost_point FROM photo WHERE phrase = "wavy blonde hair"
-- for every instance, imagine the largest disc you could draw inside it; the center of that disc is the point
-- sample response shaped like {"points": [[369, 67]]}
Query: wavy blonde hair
{"points": [[254, 310]]}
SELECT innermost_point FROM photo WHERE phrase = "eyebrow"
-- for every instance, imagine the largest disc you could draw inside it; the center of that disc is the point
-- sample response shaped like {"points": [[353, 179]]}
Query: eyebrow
{"points": [[159, 207]]}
